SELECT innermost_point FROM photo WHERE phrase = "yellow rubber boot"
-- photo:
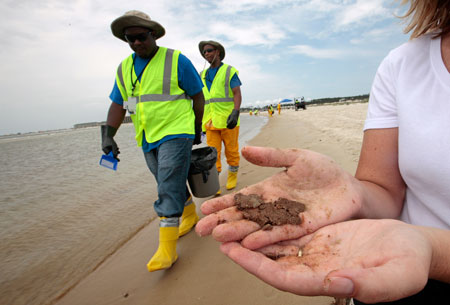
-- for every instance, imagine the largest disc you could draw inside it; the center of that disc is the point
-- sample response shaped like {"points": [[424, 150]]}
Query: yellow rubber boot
{"points": [[232, 180], [166, 254], [188, 219]]}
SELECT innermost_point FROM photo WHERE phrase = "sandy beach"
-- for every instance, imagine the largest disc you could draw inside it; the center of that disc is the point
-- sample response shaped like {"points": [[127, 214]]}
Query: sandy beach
{"points": [[202, 274]]}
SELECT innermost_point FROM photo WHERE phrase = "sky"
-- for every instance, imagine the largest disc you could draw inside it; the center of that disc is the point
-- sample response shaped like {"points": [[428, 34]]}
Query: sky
{"points": [[59, 57]]}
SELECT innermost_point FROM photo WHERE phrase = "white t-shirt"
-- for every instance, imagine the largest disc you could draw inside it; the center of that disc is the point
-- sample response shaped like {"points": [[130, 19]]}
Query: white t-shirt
{"points": [[411, 91]]}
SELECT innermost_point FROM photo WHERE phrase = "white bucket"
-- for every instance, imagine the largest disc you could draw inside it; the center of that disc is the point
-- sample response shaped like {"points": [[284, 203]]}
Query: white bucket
{"points": [[201, 188]]}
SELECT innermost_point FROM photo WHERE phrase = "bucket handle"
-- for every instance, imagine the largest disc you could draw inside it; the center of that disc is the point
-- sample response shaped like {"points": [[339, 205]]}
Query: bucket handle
{"points": [[205, 175]]}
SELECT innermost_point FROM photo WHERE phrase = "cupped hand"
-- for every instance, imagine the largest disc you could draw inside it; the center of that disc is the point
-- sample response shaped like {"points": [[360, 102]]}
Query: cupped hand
{"points": [[329, 194], [370, 260]]}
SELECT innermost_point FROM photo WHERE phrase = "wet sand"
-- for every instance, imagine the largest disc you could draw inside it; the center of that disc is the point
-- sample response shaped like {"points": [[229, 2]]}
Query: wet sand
{"points": [[202, 274]]}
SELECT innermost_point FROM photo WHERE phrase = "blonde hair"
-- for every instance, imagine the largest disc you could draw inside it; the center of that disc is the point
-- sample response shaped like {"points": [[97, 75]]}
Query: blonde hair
{"points": [[427, 16]]}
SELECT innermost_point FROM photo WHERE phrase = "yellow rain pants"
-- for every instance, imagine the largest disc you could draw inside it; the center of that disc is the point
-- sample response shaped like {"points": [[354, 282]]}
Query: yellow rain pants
{"points": [[229, 137]]}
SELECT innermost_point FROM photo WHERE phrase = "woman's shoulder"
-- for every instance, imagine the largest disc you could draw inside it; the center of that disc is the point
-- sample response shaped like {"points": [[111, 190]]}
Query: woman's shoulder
{"points": [[414, 47], [412, 54]]}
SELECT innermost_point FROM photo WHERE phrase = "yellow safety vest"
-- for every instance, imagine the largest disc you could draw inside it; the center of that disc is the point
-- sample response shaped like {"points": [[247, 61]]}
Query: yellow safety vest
{"points": [[219, 100], [162, 108]]}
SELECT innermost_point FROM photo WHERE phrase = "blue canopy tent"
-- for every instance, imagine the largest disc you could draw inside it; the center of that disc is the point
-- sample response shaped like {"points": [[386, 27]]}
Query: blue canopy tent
{"points": [[286, 100]]}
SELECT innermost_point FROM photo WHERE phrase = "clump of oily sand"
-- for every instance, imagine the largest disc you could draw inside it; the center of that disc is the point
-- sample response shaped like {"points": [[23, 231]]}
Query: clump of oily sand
{"points": [[268, 214]]}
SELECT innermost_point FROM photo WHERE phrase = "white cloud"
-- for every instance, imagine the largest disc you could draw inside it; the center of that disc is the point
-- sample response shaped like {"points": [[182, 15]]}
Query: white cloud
{"points": [[324, 6], [316, 52], [248, 33], [361, 11], [241, 6], [373, 35]]}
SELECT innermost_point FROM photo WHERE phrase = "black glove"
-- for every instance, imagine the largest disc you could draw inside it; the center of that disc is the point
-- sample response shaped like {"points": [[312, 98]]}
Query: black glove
{"points": [[232, 119], [108, 143], [198, 134]]}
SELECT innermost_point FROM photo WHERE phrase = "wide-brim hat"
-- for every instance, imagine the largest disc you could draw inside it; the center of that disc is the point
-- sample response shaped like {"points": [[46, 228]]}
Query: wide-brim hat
{"points": [[215, 44], [135, 18]]}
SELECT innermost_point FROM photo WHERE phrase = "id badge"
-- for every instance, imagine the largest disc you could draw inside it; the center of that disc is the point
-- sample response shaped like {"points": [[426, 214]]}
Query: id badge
{"points": [[131, 104]]}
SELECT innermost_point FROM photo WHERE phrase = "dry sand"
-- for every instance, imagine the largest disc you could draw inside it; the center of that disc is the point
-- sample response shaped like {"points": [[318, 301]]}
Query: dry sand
{"points": [[202, 274]]}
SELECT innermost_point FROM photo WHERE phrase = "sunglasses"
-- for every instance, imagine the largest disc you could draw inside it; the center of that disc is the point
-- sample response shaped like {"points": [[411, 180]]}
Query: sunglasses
{"points": [[141, 37], [208, 51]]}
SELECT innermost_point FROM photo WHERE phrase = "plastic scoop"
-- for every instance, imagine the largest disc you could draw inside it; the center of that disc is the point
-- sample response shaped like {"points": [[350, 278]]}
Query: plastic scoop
{"points": [[109, 161]]}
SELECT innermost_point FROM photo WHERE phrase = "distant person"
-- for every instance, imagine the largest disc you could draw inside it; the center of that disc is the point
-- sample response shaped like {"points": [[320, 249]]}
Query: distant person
{"points": [[279, 108], [270, 110], [251, 112], [166, 110], [222, 90], [403, 173], [296, 104], [256, 112]]}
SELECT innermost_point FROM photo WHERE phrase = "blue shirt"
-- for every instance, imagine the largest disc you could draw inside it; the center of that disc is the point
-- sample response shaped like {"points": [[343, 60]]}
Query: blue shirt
{"points": [[188, 80], [211, 73]]}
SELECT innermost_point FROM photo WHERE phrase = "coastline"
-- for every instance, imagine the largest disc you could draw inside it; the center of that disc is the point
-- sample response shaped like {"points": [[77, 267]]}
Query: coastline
{"points": [[202, 274]]}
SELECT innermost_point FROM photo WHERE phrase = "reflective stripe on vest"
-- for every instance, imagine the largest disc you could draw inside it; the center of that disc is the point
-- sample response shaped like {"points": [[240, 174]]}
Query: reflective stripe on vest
{"points": [[163, 108], [165, 96], [227, 97], [220, 96], [206, 110]]}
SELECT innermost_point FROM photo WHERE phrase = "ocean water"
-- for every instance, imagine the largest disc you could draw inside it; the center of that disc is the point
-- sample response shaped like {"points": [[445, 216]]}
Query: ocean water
{"points": [[61, 214]]}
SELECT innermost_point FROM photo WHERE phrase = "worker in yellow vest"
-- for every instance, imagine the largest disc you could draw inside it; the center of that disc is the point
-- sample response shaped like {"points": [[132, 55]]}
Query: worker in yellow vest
{"points": [[279, 108], [162, 92], [270, 110], [222, 91]]}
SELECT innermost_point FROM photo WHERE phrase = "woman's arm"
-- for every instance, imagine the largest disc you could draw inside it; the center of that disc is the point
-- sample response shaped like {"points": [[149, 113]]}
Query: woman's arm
{"points": [[383, 189]]}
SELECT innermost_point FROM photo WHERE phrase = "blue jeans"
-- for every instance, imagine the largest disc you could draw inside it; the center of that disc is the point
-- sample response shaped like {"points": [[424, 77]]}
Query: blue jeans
{"points": [[169, 163]]}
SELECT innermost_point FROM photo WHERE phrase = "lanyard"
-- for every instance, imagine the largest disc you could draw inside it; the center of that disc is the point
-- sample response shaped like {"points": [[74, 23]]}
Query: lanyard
{"points": [[207, 76], [138, 77]]}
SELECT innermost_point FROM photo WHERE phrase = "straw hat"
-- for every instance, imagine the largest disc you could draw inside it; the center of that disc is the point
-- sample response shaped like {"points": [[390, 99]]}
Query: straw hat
{"points": [[135, 18], [214, 44]]}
